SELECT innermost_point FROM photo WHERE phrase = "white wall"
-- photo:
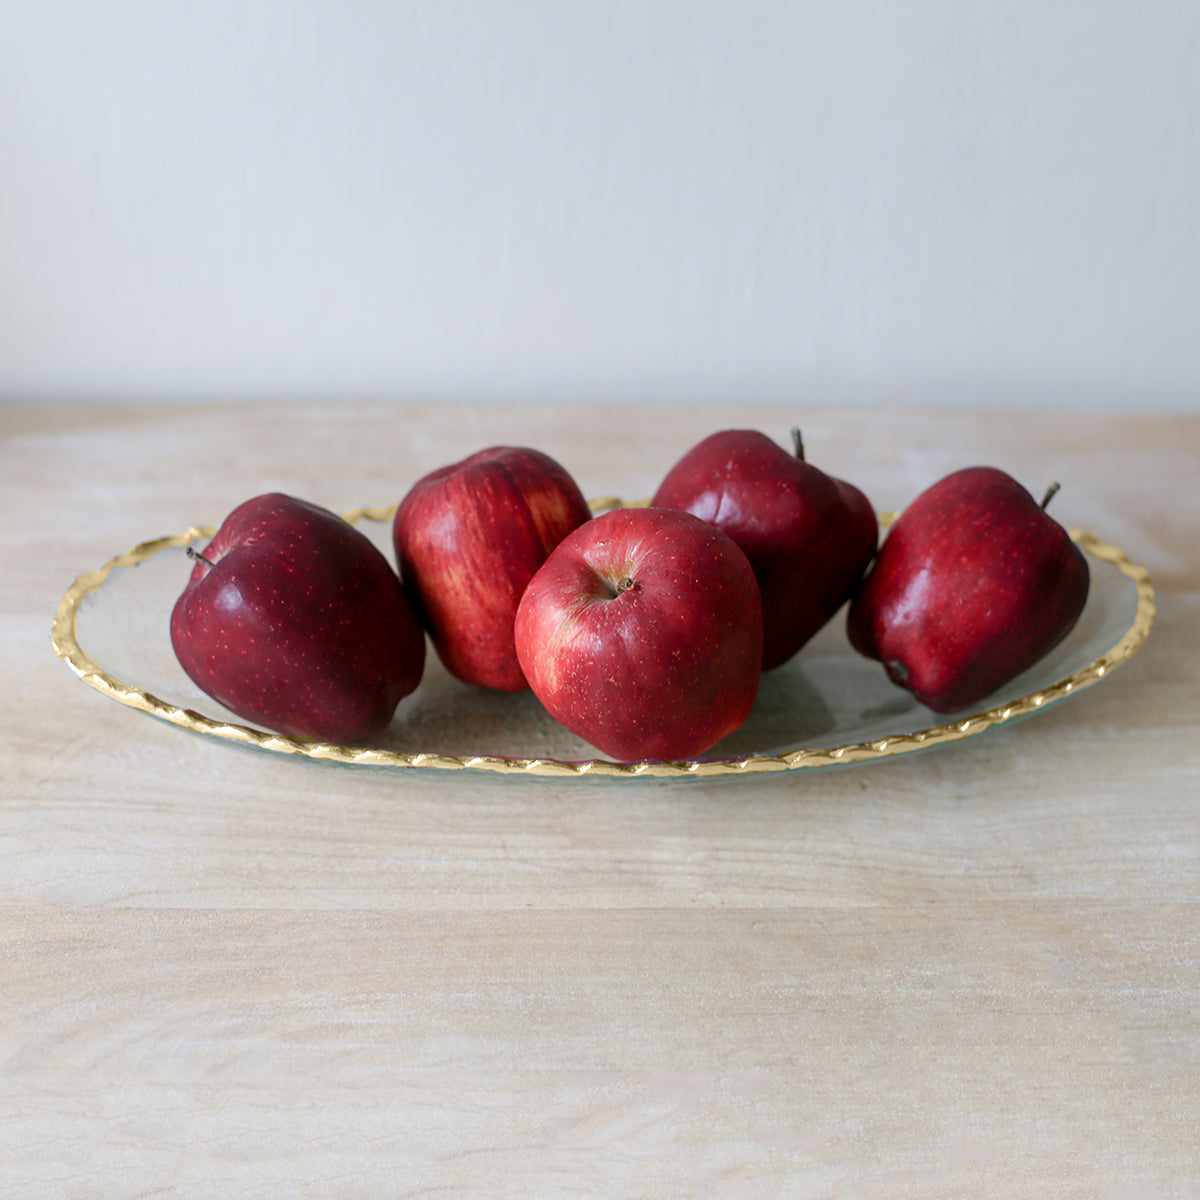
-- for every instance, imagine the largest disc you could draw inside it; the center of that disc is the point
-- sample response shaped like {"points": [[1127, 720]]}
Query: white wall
{"points": [[902, 200]]}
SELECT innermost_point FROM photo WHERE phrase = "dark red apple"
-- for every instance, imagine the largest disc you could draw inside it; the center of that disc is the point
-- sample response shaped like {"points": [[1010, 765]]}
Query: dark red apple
{"points": [[468, 538], [642, 633], [808, 536], [294, 620], [973, 584]]}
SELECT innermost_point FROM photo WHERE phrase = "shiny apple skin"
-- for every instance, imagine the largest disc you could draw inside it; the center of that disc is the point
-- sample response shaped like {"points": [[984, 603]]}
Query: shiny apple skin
{"points": [[468, 538], [662, 668], [808, 536], [300, 624], [973, 584]]}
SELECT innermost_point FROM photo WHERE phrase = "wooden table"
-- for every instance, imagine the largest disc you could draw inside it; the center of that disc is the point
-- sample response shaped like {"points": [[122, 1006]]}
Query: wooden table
{"points": [[970, 972]]}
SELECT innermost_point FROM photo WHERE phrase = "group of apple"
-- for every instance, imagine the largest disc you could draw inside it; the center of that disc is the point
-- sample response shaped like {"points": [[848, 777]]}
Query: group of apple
{"points": [[643, 630]]}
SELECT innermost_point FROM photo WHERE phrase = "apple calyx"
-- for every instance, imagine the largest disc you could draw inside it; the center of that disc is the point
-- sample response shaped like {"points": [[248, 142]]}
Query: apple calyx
{"points": [[1050, 493], [798, 445]]}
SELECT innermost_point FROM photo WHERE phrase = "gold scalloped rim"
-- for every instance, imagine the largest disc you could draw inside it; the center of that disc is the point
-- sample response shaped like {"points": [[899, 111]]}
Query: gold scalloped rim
{"points": [[65, 642]]}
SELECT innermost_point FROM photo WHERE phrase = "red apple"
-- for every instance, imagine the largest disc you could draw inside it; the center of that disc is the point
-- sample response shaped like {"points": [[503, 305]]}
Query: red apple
{"points": [[642, 633], [294, 620], [468, 538], [808, 536], [973, 584]]}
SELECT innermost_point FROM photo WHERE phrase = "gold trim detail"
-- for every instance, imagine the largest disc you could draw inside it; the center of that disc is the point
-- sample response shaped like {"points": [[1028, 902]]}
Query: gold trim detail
{"points": [[65, 642]]}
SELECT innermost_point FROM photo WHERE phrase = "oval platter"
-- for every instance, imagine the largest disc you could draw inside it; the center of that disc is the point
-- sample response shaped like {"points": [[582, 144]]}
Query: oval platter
{"points": [[828, 707]]}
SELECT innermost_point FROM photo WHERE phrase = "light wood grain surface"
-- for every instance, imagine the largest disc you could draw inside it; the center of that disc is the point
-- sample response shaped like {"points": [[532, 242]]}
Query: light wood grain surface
{"points": [[971, 972]]}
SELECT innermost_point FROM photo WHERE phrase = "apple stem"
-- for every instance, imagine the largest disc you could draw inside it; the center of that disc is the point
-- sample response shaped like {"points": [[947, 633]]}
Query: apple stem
{"points": [[192, 552], [1050, 494], [797, 445]]}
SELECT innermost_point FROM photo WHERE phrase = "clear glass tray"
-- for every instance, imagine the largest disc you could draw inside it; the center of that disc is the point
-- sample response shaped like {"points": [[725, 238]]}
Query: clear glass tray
{"points": [[827, 707]]}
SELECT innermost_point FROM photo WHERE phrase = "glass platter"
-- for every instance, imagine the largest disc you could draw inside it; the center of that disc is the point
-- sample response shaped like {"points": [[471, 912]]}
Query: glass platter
{"points": [[827, 707]]}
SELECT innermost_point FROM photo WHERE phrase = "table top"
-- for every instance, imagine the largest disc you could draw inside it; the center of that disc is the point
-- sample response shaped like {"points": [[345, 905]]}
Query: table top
{"points": [[972, 971]]}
